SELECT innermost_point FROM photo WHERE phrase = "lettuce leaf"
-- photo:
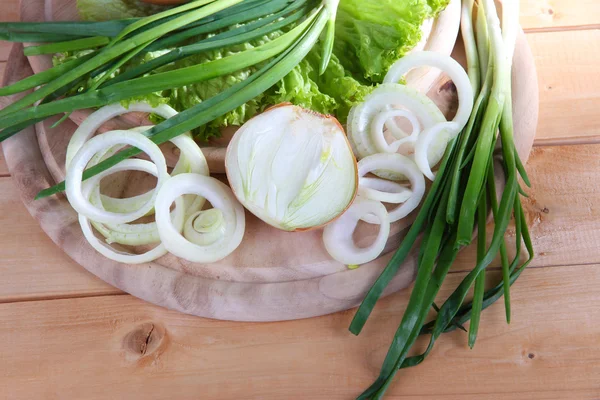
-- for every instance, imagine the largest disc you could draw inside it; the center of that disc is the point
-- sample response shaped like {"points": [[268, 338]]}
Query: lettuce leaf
{"points": [[373, 34]]}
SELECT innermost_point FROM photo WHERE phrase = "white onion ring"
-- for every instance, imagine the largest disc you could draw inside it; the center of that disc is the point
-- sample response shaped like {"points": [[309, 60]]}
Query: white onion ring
{"points": [[337, 236], [88, 128], [381, 120], [425, 140], [385, 98], [383, 190], [221, 197], [73, 179], [447, 64], [198, 232], [398, 164], [108, 251]]}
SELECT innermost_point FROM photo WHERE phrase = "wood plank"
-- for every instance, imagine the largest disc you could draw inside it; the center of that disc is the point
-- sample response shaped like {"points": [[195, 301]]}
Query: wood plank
{"points": [[539, 15], [100, 348], [31, 266], [10, 12], [565, 226], [561, 212], [567, 64]]}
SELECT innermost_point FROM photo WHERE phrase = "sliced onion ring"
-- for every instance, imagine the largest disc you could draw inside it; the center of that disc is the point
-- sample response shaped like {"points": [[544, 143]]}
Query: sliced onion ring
{"points": [[108, 251], [383, 190], [337, 236], [447, 64], [205, 227], [73, 179], [221, 197], [388, 97], [88, 128], [399, 164], [426, 139], [381, 120]]}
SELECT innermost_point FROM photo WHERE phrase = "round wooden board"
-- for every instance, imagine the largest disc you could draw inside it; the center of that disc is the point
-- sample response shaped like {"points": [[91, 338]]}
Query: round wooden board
{"points": [[274, 275]]}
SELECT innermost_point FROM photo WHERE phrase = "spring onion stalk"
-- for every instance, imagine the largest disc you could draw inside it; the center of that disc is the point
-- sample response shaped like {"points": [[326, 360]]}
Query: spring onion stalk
{"points": [[331, 6], [220, 104], [461, 187], [179, 11], [157, 82], [43, 77], [34, 37], [109, 54], [479, 290], [245, 15], [466, 28], [73, 45], [234, 36]]}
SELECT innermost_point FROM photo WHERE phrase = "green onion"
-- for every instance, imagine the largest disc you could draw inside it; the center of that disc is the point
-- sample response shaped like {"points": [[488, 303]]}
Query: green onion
{"points": [[464, 188], [62, 47], [43, 77], [157, 82], [263, 8], [115, 51], [234, 36], [479, 290]]}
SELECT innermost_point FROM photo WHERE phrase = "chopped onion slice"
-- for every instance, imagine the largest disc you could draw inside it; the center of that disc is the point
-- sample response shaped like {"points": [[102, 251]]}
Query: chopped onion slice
{"points": [[221, 197], [448, 65], [205, 227], [337, 236], [108, 251], [385, 119], [364, 119], [73, 180], [383, 190], [399, 164], [429, 137]]}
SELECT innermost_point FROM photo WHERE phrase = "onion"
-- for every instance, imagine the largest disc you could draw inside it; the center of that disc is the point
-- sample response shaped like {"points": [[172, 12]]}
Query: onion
{"points": [[73, 179], [221, 198], [448, 65], [337, 236], [191, 160], [426, 139], [292, 168], [365, 127], [108, 251], [399, 164], [383, 190]]}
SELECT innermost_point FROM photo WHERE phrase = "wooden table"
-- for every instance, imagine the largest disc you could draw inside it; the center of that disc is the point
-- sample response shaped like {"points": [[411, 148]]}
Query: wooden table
{"points": [[66, 334]]}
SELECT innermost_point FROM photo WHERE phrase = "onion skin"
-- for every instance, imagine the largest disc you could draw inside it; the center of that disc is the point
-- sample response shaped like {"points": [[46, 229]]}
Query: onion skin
{"points": [[355, 163]]}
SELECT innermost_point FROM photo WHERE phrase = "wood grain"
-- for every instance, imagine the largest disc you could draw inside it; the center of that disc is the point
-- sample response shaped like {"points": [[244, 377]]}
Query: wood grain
{"points": [[31, 265], [101, 348], [546, 15], [567, 64], [565, 226]]}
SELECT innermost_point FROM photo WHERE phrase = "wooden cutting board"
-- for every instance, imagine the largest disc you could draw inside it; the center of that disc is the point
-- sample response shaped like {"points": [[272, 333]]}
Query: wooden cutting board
{"points": [[273, 275]]}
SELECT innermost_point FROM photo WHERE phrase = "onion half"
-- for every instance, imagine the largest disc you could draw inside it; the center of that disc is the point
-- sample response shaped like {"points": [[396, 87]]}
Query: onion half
{"points": [[292, 168]]}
